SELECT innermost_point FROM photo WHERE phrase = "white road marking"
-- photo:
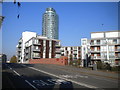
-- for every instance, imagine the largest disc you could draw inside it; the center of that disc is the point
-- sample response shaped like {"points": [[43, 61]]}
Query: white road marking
{"points": [[31, 85], [73, 76], [79, 83], [16, 72], [25, 80]]}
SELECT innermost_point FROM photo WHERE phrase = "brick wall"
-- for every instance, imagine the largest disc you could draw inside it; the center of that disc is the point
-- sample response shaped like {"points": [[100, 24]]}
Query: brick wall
{"points": [[59, 61]]}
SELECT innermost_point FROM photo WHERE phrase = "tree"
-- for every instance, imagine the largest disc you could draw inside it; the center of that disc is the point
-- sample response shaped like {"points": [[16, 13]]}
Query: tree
{"points": [[71, 59], [13, 59], [79, 62]]}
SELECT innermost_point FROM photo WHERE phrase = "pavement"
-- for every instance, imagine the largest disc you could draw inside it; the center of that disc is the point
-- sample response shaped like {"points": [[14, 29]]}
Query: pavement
{"points": [[39, 76]]}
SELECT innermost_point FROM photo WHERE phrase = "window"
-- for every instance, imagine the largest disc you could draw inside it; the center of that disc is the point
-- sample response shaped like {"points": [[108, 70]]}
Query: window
{"points": [[103, 48], [84, 42], [111, 55], [110, 41], [115, 41], [103, 42], [98, 41], [104, 55], [111, 48]]}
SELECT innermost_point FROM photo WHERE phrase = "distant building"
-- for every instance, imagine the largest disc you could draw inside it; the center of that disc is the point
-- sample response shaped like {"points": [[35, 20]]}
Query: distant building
{"points": [[50, 24], [105, 47], [85, 52], [72, 52], [3, 58], [36, 47]]}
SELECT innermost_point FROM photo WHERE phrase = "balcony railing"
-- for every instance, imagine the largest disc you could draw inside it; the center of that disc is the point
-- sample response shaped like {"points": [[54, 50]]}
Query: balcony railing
{"points": [[117, 50], [20, 41], [19, 50], [117, 57], [26, 45], [19, 45], [36, 43], [95, 57], [74, 52], [57, 45], [37, 50], [26, 51], [26, 57], [36, 56], [58, 51], [98, 43], [95, 50]]}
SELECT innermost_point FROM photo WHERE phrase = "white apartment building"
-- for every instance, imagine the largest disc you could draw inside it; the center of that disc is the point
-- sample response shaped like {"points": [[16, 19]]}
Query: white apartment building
{"points": [[21, 45], [85, 52], [72, 52], [105, 47], [33, 46]]}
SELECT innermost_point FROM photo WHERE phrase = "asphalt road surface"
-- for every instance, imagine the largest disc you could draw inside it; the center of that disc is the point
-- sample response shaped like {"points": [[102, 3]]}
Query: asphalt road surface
{"points": [[40, 76]]}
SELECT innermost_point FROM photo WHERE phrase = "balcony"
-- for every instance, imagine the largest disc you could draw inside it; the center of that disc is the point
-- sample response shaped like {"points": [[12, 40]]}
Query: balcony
{"points": [[26, 51], [95, 44], [19, 45], [117, 50], [19, 50], [26, 57], [95, 57], [57, 45], [58, 51], [95, 51], [26, 45], [20, 41], [36, 50], [111, 57], [117, 57], [36, 43], [74, 52], [36, 56]]}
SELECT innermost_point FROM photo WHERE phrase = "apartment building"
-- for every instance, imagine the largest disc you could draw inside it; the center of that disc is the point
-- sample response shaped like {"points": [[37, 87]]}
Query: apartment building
{"points": [[33, 46], [72, 52], [21, 45], [105, 47], [85, 52], [42, 47]]}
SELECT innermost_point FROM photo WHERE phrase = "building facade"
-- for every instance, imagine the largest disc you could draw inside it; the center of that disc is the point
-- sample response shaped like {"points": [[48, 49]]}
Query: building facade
{"points": [[50, 24], [105, 47], [72, 52], [36, 47], [21, 45], [42, 47], [85, 52]]}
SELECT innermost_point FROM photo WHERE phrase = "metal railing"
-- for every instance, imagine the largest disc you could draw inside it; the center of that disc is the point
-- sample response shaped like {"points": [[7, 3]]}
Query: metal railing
{"points": [[38, 50], [37, 43], [95, 57]]}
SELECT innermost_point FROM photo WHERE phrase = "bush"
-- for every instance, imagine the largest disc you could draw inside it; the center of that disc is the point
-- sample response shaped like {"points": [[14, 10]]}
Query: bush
{"points": [[116, 68], [75, 62], [99, 65]]}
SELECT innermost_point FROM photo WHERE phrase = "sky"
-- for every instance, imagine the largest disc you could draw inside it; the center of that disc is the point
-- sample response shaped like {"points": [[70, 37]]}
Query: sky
{"points": [[76, 20]]}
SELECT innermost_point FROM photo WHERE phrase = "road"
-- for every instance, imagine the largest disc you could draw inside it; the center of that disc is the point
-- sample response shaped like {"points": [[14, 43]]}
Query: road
{"points": [[38, 76]]}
